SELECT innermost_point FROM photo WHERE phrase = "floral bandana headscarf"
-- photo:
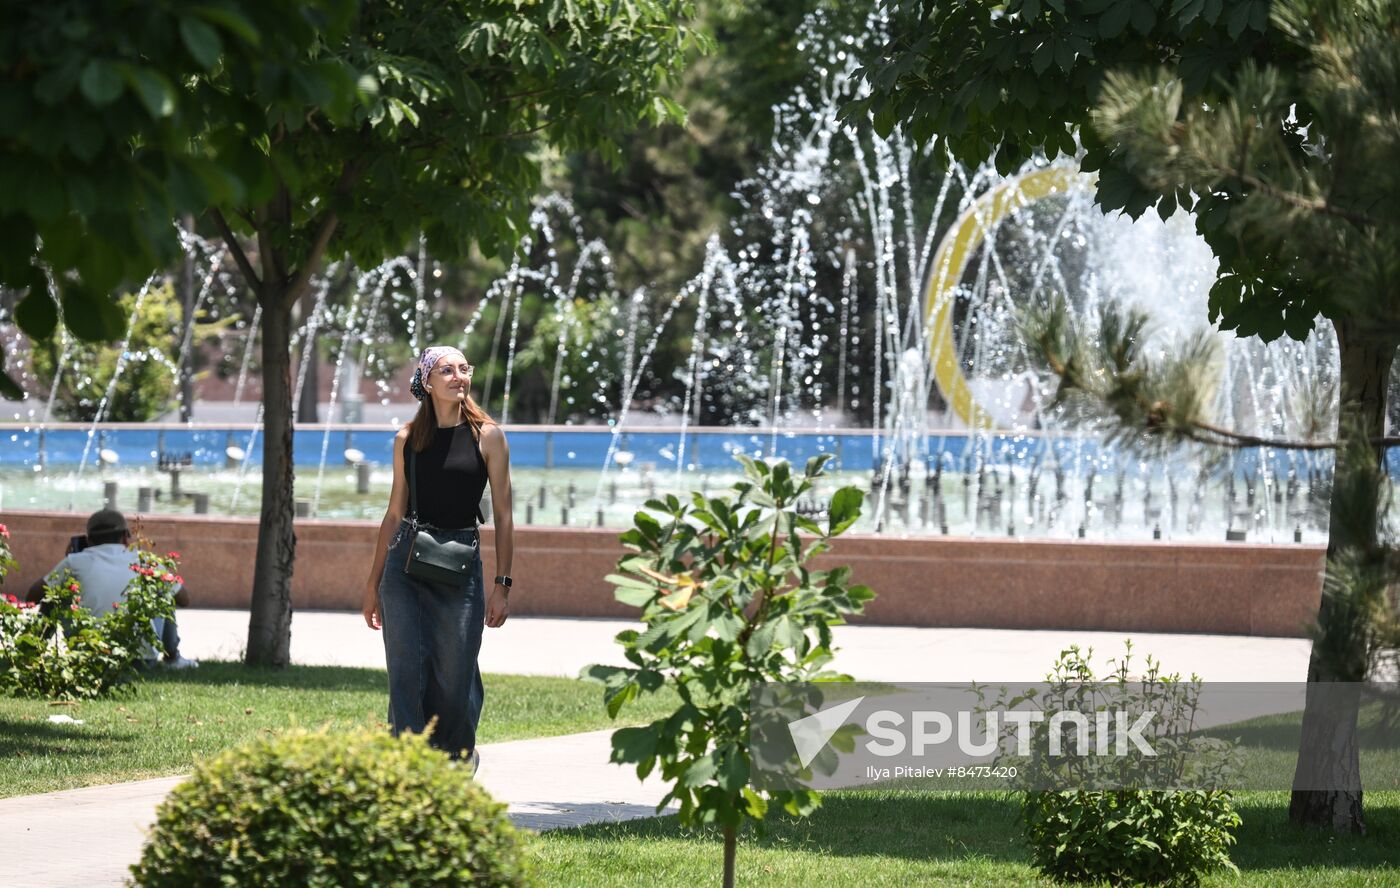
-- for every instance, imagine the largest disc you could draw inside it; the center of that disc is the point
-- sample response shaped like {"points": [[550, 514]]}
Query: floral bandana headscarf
{"points": [[426, 362]]}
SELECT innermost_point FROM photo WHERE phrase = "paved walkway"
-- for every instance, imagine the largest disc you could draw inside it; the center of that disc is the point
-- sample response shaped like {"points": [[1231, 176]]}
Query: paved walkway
{"points": [[567, 781], [554, 646]]}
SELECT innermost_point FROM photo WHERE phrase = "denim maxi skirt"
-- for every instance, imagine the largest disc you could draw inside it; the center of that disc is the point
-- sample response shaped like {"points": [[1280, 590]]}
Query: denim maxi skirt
{"points": [[432, 635]]}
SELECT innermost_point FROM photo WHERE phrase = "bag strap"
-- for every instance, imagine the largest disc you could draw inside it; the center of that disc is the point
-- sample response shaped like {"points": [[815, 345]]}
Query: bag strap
{"points": [[481, 461], [412, 484]]}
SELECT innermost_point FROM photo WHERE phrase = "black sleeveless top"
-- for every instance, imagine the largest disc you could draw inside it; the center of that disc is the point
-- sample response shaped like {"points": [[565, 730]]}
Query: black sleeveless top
{"points": [[451, 478]]}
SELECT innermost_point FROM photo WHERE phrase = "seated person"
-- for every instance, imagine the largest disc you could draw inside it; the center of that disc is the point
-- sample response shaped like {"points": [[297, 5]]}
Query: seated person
{"points": [[103, 571]]}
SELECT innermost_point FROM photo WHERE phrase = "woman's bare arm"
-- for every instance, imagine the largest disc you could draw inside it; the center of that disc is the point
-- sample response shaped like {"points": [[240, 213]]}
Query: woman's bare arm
{"points": [[398, 508], [496, 452]]}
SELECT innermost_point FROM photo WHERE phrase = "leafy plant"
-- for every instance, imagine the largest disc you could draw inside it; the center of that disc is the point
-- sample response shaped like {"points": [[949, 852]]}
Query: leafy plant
{"points": [[329, 809], [1150, 837], [1111, 828], [1130, 836], [730, 600], [7, 558], [58, 649]]}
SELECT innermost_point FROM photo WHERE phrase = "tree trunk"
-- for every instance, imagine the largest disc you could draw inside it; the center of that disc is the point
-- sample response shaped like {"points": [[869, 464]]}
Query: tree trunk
{"points": [[270, 624], [311, 390], [187, 297], [1328, 755], [731, 847]]}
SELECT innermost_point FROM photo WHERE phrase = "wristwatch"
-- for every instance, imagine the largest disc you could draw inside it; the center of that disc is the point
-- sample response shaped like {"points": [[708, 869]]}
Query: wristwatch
{"points": [[503, 581]]}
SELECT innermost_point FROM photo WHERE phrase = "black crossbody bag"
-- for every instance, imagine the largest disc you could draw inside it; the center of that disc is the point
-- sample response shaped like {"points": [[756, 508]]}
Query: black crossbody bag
{"points": [[430, 558]]}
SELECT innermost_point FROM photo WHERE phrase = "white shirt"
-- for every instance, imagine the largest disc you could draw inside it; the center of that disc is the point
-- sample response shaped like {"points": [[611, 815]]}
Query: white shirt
{"points": [[103, 572]]}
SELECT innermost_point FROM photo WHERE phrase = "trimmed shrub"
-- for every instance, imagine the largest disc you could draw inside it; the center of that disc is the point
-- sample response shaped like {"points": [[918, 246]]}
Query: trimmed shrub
{"points": [[332, 809]]}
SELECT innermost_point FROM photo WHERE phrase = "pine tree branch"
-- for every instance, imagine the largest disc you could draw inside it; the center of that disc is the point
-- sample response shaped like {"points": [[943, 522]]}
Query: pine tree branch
{"points": [[1208, 433], [1238, 439], [1294, 199], [1119, 391]]}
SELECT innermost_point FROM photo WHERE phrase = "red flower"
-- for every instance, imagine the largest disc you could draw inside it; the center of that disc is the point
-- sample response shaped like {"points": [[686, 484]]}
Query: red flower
{"points": [[172, 554], [116, 605], [73, 606], [179, 579], [4, 531], [72, 587], [167, 578]]}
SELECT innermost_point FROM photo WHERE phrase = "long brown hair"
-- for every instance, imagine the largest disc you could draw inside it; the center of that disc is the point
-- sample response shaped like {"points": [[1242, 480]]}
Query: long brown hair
{"points": [[424, 424]]}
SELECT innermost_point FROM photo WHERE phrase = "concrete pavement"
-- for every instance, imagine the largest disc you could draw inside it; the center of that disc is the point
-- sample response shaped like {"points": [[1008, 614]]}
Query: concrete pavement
{"points": [[558, 646]]}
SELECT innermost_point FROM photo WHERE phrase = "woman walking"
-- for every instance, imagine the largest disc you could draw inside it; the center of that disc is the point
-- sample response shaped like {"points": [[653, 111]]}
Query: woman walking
{"points": [[443, 461]]}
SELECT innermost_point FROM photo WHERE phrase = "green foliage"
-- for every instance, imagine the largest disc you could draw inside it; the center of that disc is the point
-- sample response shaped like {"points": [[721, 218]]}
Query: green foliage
{"points": [[1010, 78], [147, 385], [729, 600], [1111, 830], [452, 105], [672, 188], [330, 809], [7, 557], [58, 649], [302, 124], [111, 113], [1016, 78], [1152, 399], [1296, 166], [1296, 162], [1130, 837]]}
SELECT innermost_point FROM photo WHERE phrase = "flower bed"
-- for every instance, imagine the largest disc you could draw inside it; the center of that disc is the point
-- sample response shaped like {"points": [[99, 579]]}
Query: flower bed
{"points": [[59, 649]]}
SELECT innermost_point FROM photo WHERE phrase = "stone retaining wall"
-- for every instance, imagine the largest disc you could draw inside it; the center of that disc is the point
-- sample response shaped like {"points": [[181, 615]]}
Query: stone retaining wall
{"points": [[1226, 588]]}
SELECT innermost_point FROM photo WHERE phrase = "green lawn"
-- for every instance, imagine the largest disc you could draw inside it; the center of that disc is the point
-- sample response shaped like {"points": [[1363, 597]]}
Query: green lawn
{"points": [[866, 838], [177, 718], [857, 838]]}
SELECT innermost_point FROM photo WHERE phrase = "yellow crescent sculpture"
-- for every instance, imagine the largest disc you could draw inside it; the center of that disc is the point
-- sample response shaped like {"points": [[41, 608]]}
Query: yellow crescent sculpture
{"points": [[949, 263]]}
